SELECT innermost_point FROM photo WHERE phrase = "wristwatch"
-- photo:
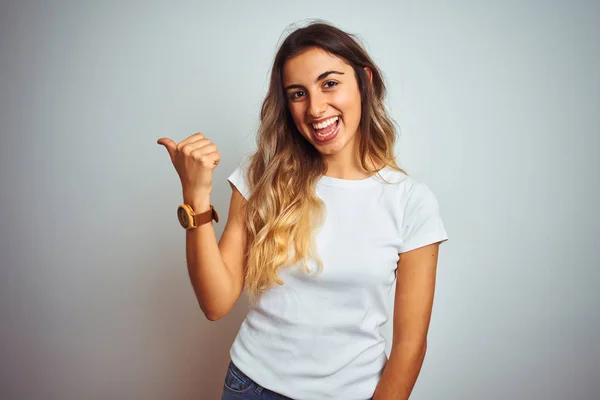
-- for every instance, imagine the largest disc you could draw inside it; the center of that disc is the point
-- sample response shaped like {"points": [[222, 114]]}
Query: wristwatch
{"points": [[190, 220]]}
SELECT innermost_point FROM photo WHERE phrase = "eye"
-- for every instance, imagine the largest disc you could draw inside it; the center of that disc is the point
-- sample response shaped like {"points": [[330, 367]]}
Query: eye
{"points": [[297, 94], [330, 84]]}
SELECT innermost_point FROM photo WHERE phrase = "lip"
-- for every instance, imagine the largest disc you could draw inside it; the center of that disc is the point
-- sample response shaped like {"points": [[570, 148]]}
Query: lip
{"points": [[329, 138], [318, 121]]}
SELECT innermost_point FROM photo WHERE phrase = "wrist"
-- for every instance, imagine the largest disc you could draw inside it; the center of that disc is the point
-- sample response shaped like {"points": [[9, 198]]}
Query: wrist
{"points": [[198, 201]]}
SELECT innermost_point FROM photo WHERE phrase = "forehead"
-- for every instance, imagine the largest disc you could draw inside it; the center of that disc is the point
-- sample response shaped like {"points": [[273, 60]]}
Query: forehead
{"points": [[305, 67]]}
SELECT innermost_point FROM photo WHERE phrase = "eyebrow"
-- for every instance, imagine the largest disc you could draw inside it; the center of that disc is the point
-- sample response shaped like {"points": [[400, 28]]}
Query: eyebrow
{"points": [[319, 78]]}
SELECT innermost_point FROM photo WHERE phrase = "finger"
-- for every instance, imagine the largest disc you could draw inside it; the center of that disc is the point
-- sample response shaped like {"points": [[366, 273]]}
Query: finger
{"points": [[214, 159], [193, 146], [190, 139], [200, 151], [208, 160], [170, 145]]}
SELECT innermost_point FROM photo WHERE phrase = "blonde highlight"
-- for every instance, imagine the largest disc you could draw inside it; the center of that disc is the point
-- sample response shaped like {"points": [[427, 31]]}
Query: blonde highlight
{"points": [[283, 212]]}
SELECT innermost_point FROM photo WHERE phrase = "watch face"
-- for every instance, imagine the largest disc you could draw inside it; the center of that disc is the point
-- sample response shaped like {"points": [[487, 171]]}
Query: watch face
{"points": [[184, 218]]}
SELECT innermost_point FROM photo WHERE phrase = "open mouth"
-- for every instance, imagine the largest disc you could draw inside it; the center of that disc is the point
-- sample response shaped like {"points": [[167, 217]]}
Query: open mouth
{"points": [[327, 129]]}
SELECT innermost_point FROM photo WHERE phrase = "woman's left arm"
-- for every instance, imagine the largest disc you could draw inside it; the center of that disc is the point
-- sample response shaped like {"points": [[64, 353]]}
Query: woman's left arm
{"points": [[415, 284]]}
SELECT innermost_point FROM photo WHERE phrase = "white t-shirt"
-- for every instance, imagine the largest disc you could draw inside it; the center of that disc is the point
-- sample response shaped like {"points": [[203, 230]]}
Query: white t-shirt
{"points": [[318, 337]]}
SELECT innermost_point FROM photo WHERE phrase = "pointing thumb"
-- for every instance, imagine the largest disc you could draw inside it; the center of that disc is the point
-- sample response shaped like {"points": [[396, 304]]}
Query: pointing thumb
{"points": [[170, 145]]}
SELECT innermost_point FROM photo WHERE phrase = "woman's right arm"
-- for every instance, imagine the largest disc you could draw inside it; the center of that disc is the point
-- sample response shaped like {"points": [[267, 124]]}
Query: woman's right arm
{"points": [[217, 270]]}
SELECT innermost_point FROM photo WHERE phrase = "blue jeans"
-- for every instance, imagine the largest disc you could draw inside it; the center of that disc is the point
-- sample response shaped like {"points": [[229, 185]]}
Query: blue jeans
{"points": [[238, 386]]}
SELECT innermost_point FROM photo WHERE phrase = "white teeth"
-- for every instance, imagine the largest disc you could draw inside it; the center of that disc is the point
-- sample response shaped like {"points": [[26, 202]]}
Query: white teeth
{"points": [[325, 124]]}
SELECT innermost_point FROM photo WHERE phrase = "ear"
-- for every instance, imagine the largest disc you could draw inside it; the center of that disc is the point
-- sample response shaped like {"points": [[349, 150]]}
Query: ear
{"points": [[369, 73]]}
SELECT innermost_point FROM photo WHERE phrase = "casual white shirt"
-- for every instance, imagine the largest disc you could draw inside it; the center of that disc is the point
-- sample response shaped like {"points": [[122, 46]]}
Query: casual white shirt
{"points": [[318, 337]]}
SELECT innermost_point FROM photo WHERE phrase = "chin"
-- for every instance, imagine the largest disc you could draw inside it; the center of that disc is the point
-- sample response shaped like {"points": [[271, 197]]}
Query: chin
{"points": [[329, 150]]}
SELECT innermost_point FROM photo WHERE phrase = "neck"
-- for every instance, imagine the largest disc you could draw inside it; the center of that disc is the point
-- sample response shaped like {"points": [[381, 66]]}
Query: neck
{"points": [[346, 164]]}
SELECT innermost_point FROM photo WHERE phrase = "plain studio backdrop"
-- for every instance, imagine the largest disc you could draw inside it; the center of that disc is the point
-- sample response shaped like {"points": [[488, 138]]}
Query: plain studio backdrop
{"points": [[498, 105]]}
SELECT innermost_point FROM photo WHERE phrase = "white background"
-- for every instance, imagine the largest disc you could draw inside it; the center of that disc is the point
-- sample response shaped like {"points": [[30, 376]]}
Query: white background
{"points": [[499, 109]]}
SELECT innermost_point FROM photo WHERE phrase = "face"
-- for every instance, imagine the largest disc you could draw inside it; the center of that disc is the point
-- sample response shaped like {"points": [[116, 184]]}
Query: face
{"points": [[324, 100]]}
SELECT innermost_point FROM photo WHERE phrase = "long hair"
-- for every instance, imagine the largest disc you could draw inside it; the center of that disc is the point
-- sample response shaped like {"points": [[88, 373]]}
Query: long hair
{"points": [[283, 211]]}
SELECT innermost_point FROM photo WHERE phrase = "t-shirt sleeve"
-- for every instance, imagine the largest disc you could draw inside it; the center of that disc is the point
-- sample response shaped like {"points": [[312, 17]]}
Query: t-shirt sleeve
{"points": [[422, 223], [239, 179]]}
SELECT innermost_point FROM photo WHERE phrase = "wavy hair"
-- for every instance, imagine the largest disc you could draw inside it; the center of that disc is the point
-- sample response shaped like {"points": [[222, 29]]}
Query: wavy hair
{"points": [[283, 210]]}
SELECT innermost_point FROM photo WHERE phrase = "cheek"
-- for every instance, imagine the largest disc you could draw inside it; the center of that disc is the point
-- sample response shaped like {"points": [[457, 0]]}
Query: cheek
{"points": [[297, 113], [293, 109], [349, 104]]}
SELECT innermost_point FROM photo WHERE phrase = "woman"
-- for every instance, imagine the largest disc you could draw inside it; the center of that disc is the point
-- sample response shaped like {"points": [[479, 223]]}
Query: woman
{"points": [[321, 222]]}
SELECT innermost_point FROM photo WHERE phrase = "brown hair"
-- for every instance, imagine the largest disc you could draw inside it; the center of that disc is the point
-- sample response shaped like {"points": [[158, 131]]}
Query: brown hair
{"points": [[283, 209]]}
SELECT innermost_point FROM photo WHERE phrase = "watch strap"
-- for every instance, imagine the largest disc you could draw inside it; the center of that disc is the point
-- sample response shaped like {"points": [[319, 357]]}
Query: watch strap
{"points": [[205, 217]]}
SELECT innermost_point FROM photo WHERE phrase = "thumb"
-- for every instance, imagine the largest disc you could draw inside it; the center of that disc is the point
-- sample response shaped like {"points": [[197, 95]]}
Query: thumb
{"points": [[170, 145]]}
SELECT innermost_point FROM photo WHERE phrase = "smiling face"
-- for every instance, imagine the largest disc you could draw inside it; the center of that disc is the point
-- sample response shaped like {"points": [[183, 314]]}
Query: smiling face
{"points": [[324, 100]]}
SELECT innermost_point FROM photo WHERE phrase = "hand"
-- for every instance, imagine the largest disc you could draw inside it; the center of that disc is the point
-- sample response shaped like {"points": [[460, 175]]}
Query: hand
{"points": [[195, 159]]}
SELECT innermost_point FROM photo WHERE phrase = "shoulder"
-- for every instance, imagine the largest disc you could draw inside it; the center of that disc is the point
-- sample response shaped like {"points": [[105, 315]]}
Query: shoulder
{"points": [[418, 211], [409, 191], [417, 194], [239, 177]]}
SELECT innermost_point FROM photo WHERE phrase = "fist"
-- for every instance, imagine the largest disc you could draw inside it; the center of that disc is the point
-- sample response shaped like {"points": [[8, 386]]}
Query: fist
{"points": [[195, 159]]}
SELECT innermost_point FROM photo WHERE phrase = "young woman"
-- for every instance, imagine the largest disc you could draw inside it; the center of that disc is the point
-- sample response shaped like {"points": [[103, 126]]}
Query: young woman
{"points": [[321, 223]]}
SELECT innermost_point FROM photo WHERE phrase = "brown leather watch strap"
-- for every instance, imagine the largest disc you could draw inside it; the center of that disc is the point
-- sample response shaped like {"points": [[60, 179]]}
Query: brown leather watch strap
{"points": [[206, 216]]}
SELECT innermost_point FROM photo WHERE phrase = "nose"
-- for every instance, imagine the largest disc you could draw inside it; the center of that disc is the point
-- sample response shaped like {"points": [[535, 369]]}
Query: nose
{"points": [[317, 105]]}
